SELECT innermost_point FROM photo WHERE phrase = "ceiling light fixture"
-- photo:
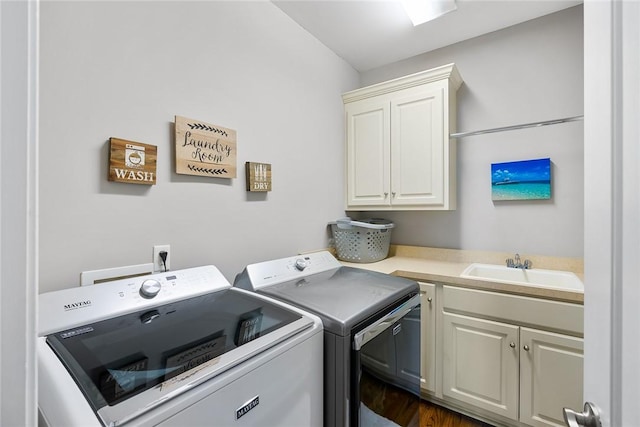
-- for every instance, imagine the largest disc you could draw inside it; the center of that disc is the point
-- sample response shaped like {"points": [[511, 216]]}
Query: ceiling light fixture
{"points": [[421, 11]]}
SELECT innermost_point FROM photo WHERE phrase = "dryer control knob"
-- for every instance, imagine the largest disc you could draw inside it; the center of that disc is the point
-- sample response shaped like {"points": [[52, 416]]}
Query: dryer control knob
{"points": [[301, 264], [150, 288]]}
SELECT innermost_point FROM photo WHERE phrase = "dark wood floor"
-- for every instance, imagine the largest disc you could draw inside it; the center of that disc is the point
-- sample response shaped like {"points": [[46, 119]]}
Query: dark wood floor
{"points": [[435, 416], [399, 406]]}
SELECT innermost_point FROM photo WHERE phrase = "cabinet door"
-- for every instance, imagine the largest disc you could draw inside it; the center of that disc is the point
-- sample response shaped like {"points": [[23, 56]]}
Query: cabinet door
{"points": [[428, 337], [418, 147], [368, 152], [480, 363], [550, 377]]}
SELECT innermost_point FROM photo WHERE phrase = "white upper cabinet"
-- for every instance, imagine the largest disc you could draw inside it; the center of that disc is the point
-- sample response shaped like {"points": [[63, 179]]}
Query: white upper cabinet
{"points": [[399, 154], [368, 153]]}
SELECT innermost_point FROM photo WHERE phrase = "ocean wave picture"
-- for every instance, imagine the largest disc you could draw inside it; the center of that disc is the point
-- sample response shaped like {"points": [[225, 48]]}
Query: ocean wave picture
{"points": [[521, 180]]}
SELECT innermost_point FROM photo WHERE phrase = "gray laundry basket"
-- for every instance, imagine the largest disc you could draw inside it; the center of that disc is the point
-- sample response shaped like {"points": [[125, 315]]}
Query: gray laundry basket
{"points": [[365, 240]]}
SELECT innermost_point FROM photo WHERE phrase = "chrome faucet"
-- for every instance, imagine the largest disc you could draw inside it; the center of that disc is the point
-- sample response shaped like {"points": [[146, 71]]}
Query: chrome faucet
{"points": [[517, 263]]}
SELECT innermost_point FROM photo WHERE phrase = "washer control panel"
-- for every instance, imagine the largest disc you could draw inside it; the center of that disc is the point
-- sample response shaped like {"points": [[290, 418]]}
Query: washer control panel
{"points": [[67, 308]]}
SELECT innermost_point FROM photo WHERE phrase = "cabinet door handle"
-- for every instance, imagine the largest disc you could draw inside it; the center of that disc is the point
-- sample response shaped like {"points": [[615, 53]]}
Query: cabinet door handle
{"points": [[429, 299], [393, 194], [385, 195], [525, 347], [512, 344]]}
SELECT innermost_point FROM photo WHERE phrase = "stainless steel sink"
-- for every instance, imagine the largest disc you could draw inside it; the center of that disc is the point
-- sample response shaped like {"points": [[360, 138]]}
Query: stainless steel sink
{"points": [[552, 279]]}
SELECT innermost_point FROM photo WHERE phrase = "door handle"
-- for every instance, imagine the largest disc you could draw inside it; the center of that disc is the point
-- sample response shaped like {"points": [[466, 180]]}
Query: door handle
{"points": [[375, 329], [589, 418]]}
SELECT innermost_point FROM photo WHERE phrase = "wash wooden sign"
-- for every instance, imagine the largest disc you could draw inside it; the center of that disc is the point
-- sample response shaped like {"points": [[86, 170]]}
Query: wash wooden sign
{"points": [[132, 162], [204, 149]]}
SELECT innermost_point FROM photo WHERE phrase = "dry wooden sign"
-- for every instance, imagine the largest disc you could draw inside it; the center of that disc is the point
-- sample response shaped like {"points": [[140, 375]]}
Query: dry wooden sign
{"points": [[132, 162], [258, 176], [204, 149]]}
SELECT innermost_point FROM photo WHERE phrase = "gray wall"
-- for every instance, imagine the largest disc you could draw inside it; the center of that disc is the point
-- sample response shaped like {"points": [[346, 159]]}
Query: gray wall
{"points": [[124, 69], [522, 74]]}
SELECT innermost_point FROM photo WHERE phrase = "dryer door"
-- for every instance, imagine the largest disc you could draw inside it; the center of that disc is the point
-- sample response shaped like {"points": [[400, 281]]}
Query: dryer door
{"points": [[386, 360]]}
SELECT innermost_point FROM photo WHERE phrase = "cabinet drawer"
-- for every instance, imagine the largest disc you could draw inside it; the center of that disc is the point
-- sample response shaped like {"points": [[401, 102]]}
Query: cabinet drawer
{"points": [[544, 314]]}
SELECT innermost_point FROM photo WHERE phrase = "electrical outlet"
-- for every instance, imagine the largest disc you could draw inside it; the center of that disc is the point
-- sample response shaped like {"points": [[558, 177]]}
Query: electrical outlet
{"points": [[158, 265]]}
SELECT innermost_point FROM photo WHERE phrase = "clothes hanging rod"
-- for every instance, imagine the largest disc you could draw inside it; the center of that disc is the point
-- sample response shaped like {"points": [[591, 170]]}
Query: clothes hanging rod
{"points": [[515, 127]]}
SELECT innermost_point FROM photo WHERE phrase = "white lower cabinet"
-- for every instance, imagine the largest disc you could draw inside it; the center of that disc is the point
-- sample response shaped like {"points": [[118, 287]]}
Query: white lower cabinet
{"points": [[428, 333], [551, 368], [480, 363], [500, 367]]}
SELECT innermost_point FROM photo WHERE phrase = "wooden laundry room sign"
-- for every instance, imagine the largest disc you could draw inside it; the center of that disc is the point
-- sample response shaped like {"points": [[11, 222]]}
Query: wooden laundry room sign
{"points": [[132, 162], [204, 149]]}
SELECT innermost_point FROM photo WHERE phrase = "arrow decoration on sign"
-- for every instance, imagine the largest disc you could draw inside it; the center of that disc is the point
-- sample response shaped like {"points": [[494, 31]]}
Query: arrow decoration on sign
{"points": [[200, 126], [206, 170]]}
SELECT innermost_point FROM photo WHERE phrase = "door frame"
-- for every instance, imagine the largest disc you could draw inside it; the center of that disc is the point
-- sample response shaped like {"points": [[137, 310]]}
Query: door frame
{"points": [[19, 27], [612, 195]]}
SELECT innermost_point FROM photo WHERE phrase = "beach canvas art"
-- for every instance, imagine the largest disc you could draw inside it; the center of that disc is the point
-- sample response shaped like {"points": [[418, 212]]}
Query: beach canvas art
{"points": [[521, 180]]}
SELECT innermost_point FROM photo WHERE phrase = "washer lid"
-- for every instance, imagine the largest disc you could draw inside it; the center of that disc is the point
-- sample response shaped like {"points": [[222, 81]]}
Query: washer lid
{"points": [[130, 364], [343, 297]]}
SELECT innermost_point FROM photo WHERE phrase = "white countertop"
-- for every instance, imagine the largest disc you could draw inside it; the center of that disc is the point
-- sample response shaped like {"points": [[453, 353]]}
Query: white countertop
{"points": [[445, 266]]}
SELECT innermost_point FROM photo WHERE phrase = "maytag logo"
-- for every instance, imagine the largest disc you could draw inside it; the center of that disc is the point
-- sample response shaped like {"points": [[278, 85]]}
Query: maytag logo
{"points": [[242, 411], [77, 305]]}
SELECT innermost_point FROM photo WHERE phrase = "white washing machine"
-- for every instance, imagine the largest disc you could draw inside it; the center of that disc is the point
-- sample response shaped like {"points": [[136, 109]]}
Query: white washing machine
{"points": [[180, 348]]}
